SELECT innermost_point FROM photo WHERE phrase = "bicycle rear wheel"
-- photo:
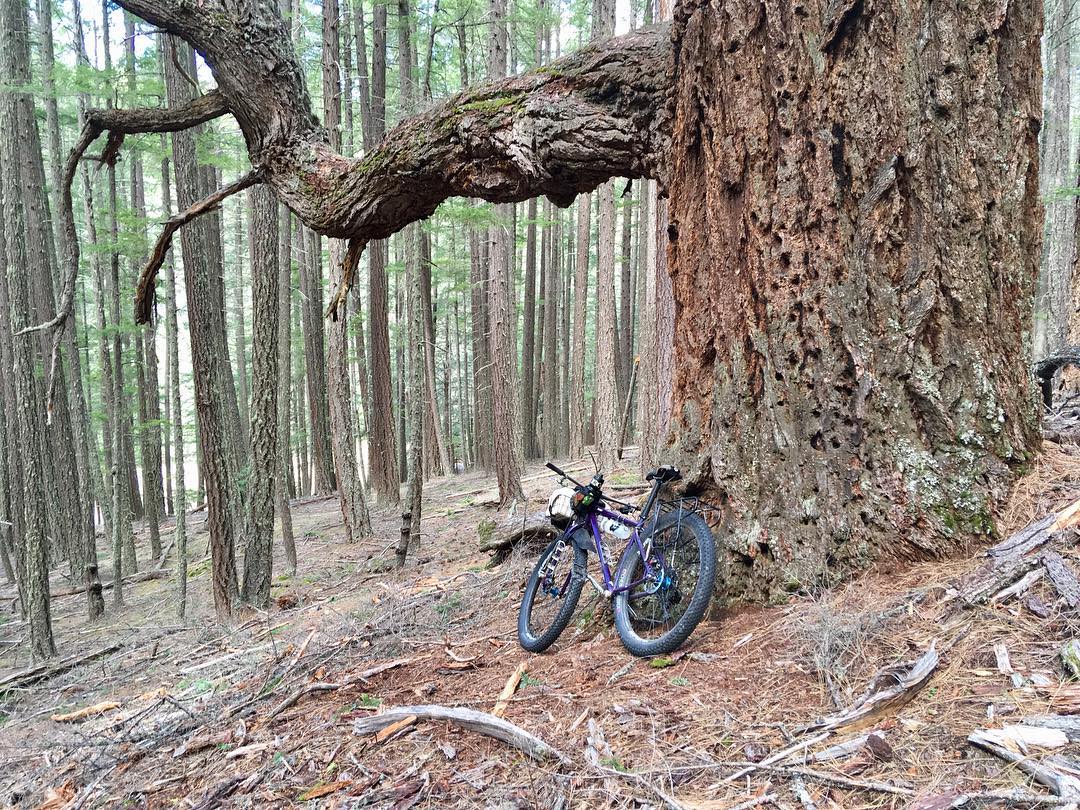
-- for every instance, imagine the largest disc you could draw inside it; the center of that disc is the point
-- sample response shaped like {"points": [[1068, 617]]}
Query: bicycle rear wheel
{"points": [[661, 611], [551, 594]]}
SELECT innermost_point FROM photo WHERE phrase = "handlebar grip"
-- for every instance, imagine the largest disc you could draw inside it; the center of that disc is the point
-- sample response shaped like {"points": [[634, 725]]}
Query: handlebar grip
{"points": [[556, 470]]}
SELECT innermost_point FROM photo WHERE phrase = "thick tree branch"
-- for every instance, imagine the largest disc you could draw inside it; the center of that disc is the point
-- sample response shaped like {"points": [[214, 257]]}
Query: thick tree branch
{"points": [[144, 300], [151, 119], [117, 123], [558, 131]]}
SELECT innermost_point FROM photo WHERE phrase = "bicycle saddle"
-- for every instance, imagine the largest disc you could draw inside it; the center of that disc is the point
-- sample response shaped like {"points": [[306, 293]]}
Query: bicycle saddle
{"points": [[665, 475]]}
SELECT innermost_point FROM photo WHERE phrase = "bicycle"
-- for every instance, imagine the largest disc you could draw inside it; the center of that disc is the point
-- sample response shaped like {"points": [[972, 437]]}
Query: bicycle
{"points": [[669, 562]]}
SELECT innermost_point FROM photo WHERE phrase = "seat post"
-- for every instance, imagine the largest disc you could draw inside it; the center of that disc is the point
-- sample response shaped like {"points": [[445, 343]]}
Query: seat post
{"points": [[650, 501]]}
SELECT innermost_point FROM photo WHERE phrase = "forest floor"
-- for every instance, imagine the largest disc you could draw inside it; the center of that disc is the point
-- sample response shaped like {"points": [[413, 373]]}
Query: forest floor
{"points": [[262, 711]]}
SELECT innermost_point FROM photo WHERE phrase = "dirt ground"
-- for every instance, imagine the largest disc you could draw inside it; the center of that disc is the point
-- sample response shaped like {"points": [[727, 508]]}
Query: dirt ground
{"points": [[260, 711]]}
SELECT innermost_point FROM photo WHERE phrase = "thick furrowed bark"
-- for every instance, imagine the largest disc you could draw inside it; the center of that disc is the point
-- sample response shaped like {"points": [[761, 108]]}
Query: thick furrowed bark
{"points": [[853, 282]]}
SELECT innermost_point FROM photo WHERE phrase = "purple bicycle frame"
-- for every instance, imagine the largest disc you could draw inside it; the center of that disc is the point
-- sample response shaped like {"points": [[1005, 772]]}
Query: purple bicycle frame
{"points": [[635, 539]]}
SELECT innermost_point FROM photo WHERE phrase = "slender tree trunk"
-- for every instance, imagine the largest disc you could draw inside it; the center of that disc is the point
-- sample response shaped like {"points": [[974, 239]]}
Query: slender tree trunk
{"points": [[16, 119], [478, 312], [415, 336], [350, 489], [124, 557], [528, 341], [553, 431], [624, 339], [239, 331], [581, 298], [315, 364], [172, 345], [383, 448], [606, 409], [208, 351], [606, 404], [1058, 174], [433, 432], [259, 555], [506, 429], [281, 483], [647, 400]]}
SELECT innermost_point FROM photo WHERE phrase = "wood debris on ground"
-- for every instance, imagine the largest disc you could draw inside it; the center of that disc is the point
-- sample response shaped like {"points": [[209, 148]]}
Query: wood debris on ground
{"points": [[863, 696]]}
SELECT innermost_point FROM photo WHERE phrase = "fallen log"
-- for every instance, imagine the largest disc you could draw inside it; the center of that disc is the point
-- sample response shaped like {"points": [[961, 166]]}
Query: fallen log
{"points": [[993, 581], [1053, 773], [43, 672], [535, 526], [142, 576], [892, 687], [481, 722]]}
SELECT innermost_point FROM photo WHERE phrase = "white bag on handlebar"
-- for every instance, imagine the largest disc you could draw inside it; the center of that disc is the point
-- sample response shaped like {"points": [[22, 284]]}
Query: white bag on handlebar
{"points": [[559, 504]]}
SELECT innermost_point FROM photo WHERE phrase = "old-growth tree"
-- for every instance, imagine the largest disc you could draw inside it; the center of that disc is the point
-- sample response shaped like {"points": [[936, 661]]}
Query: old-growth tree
{"points": [[851, 283]]}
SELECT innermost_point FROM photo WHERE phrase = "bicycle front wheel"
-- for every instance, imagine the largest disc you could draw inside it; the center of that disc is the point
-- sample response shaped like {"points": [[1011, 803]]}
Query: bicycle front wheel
{"points": [[671, 595], [551, 594]]}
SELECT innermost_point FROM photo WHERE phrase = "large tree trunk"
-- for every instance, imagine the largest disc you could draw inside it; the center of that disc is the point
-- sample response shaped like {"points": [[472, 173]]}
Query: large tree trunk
{"points": [[852, 282]]}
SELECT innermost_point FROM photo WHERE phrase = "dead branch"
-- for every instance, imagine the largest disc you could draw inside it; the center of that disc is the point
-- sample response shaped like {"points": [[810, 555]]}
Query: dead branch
{"points": [[1067, 723], [1037, 533], [481, 722], [780, 755], [142, 576], [831, 779], [508, 689], [349, 262], [890, 688], [1049, 772], [117, 123], [43, 672], [320, 686], [143, 300]]}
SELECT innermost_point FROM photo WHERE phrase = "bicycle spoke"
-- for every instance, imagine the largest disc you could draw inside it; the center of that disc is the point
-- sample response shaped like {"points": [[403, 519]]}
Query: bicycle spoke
{"points": [[660, 600]]}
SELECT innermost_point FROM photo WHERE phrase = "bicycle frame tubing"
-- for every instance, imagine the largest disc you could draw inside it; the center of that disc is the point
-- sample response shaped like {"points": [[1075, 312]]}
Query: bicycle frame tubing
{"points": [[635, 539]]}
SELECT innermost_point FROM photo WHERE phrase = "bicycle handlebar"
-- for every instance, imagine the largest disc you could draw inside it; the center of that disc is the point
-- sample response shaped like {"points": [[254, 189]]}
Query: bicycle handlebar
{"points": [[562, 474]]}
